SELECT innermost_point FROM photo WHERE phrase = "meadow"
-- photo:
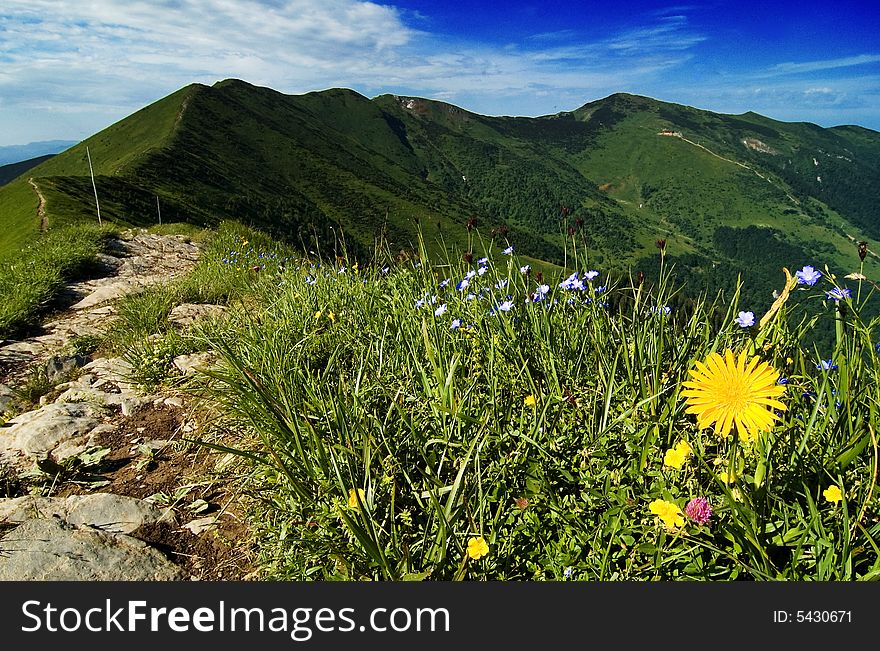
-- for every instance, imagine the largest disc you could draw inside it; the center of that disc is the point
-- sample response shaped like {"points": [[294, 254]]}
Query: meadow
{"points": [[463, 416]]}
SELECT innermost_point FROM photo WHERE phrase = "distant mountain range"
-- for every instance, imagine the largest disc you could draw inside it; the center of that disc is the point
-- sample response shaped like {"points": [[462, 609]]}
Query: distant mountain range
{"points": [[16, 153], [730, 194]]}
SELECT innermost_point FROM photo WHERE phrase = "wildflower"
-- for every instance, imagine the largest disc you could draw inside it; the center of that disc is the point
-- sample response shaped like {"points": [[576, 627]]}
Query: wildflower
{"points": [[728, 391], [501, 284], [745, 319], [600, 289], [353, 496], [525, 269], [832, 494], [482, 270], [455, 325], [341, 270], [591, 274], [477, 548], [310, 280], [808, 276], [668, 512], [728, 476], [317, 315], [863, 250], [569, 282], [506, 306], [782, 380], [568, 572], [699, 510], [838, 294], [331, 316], [826, 365], [469, 297], [444, 283], [676, 456], [530, 401], [440, 310], [470, 274], [420, 303], [508, 250], [385, 269], [664, 310], [482, 260], [462, 285]]}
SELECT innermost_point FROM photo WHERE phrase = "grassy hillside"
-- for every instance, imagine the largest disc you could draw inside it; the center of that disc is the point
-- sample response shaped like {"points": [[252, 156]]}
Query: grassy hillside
{"points": [[320, 168]]}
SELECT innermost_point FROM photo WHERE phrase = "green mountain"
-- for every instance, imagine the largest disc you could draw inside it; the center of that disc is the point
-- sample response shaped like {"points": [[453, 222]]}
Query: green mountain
{"points": [[14, 170], [730, 194]]}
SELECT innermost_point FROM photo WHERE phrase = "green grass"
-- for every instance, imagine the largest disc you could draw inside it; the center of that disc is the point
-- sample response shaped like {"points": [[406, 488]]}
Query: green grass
{"points": [[383, 440], [30, 279]]}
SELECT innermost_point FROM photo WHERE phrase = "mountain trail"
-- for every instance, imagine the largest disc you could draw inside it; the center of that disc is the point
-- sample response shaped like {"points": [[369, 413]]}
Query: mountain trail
{"points": [[743, 165], [115, 492], [41, 206]]}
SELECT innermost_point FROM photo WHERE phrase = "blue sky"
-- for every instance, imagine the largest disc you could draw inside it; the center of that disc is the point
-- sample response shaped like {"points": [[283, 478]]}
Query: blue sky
{"points": [[69, 68]]}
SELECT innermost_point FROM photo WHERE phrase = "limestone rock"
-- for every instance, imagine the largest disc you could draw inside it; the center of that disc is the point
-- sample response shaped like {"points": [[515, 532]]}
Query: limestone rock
{"points": [[53, 550], [37, 433]]}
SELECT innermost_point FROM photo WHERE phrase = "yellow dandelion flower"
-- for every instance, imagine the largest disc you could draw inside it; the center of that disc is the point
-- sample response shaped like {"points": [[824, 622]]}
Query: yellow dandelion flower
{"points": [[331, 316], [676, 456], [668, 512], [477, 548], [728, 391], [833, 494], [317, 315], [353, 497], [530, 401]]}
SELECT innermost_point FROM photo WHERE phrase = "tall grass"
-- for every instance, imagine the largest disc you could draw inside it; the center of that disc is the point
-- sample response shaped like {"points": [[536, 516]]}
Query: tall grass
{"points": [[386, 439], [30, 280]]}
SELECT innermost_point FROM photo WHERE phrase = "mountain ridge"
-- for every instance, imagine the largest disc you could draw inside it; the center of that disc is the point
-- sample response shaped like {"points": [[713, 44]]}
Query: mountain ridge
{"points": [[311, 167]]}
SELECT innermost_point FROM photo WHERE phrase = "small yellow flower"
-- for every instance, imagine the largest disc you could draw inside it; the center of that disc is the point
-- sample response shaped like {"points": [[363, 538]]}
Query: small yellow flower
{"points": [[353, 497], [668, 512], [245, 243], [477, 548], [833, 494], [727, 476], [676, 457], [331, 316], [530, 401], [317, 315]]}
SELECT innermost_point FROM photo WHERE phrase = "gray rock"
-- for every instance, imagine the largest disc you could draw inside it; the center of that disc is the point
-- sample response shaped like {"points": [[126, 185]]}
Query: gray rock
{"points": [[53, 550], [188, 313], [105, 511], [191, 364], [59, 367], [37, 433], [6, 398]]}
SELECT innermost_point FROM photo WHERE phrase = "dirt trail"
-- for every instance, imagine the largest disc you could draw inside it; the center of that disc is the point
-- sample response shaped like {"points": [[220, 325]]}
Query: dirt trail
{"points": [[41, 206], [743, 165]]}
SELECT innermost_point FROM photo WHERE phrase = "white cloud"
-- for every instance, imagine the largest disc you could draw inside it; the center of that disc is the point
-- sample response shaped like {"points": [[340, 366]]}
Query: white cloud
{"points": [[828, 64]]}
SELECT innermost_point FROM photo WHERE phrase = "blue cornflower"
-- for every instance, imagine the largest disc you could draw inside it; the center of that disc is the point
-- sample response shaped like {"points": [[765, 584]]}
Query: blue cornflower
{"points": [[455, 325], [469, 297], [808, 275], [420, 303], [501, 284], [745, 319], [591, 274], [600, 289], [482, 260], [506, 306], [482, 270], [569, 282], [385, 269], [508, 250], [663, 309], [838, 294], [826, 365], [341, 270], [462, 285], [568, 572], [310, 280], [525, 269], [440, 310], [782, 380], [470, 274], [445, 282]]}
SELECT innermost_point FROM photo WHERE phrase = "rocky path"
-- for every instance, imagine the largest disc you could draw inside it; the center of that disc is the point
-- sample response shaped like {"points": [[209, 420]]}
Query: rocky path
{"points": [[116, 500]]}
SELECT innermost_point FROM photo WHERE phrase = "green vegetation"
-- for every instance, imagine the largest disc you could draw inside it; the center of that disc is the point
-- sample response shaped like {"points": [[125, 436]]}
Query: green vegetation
{"points": [[29, 280], [388, 444]]}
